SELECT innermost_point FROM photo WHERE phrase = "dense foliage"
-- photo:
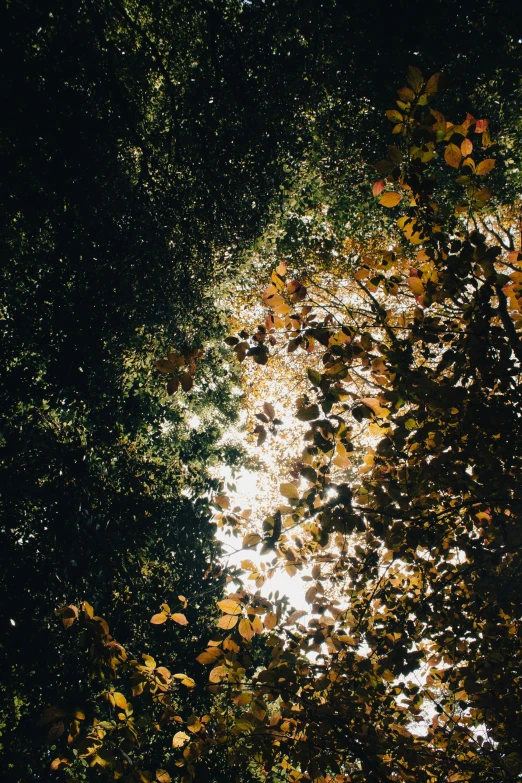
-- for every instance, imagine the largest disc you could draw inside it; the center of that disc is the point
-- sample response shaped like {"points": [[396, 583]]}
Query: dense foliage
{"points": [[157, 157]]}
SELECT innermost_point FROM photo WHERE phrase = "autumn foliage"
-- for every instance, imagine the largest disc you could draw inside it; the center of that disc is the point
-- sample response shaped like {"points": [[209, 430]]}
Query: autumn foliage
{"points": [[401, 515]]}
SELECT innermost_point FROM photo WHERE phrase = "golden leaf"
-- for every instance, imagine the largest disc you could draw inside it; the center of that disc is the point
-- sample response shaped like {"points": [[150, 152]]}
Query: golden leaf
{"points": [[179, 739], [485, 166], [179, 618], [390, 199], [245, 629], [288, 490], [227, 622], [210, 655], [229, 606], [453, 155], [217, 674]]}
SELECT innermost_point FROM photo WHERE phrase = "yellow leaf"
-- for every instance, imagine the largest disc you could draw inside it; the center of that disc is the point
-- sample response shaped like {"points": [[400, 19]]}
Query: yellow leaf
{"points": [[179, 739], [162, 776], [227, 622], [59, 763], [466, 147], [245, 629], [257, 625], [229, 606], [415, 283], [270, 620], [149, 662], [158, 619], [453, 155], [250, 540], [210, 655], [187, 681], [288, 490], [166, 608], [375, 405], [179, 618], [485, 166], [217, 674], [119, 700], [390, 199], [222, 501]]}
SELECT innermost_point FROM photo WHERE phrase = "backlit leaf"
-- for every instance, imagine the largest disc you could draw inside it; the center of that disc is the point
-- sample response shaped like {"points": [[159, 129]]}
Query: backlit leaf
{"points": [[179, 618], [245, 629], [288, 490], [485, 166], [179, 739], [210, 655], [390, 199], [229, 606], [453, 155], [217, 674], [227, 622]]}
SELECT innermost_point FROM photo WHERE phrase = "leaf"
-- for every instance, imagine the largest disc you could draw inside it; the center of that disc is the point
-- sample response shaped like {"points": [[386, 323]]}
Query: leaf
{"points": [[485, 166], [269, 410], [432, 85], [288, 490], [165, 608], [179, 739], [187, 381], [59, 763], [390, 199], [414, 78], [452, 155], [119, 700], [405, 94], [375, 405], [229, 606], [179, 618], [250, 540], [281, 269], [223, 501], [378, 187], [245, 629], [163, 365], [158, 619], [69, 615], [217, 674], [394, 115], [415, 283], [172, 385], [162, 776], [481, 126], [227, 622], [210, 655], [149, 661], [308, 413], [175, 358], [466, 147], [188, 682], [270, 620], [314, 377]]}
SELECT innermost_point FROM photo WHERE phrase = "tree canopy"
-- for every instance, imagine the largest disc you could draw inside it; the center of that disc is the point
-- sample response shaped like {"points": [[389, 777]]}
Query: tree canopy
{"points": [[160, 161]]}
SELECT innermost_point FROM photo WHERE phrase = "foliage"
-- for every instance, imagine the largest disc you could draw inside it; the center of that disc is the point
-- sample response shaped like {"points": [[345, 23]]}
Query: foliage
{"points": [[154, 152], [407, 500]]}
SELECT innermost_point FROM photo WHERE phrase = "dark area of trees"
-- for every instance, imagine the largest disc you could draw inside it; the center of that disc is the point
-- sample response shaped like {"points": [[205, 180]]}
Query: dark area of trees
{"points": [[145, 146]]}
